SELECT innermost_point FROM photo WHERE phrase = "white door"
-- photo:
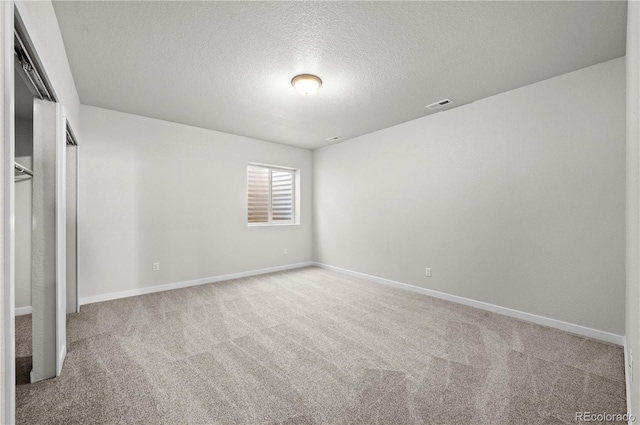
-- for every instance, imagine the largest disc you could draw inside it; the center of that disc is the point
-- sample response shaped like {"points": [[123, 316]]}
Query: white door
{"points": [[48, 270], [61, 237]]}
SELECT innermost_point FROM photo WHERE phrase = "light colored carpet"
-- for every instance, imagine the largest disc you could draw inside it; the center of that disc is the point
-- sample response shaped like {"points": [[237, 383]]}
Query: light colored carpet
{"points": [[311, 346]]}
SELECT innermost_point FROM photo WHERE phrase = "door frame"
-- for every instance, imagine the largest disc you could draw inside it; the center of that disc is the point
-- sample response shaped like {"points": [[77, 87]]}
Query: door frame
{"points": [[7, 91]]}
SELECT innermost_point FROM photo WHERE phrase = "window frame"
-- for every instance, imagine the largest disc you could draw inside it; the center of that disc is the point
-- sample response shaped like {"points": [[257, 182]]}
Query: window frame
{"points": [[294, 196]]}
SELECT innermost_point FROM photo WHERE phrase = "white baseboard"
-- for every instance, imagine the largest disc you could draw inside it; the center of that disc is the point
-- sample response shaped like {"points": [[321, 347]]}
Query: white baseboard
{"points": [[540, 320], [21, 311], [627, 378], [178, 285]]}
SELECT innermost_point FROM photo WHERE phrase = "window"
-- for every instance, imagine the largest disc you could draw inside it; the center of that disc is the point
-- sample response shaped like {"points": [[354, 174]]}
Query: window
{"points": [[271, 195]]}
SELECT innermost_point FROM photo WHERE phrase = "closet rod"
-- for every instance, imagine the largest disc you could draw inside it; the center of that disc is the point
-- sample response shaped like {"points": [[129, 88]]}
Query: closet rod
{"points": [[22, 169]]}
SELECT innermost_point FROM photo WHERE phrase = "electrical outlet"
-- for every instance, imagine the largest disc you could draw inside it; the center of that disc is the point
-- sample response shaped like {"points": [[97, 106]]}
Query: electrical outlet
{"points": [[156, 267], [427, 272], [285, 251]]}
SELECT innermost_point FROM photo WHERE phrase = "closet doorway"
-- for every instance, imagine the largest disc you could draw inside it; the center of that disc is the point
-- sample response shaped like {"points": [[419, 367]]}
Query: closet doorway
{"points": [[23, 189], [40, 208]]}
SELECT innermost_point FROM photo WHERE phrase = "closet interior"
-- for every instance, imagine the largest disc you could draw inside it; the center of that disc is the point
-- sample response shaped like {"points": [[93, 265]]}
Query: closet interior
{"points": [[23, 223]]}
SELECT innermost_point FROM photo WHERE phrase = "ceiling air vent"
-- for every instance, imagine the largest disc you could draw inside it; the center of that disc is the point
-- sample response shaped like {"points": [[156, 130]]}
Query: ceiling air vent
{"points": [[334, 139], [440, 104]]}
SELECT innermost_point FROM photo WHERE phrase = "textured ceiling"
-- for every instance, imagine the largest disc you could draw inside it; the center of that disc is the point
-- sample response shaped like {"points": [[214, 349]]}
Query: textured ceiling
{"points": [[227, 66]]}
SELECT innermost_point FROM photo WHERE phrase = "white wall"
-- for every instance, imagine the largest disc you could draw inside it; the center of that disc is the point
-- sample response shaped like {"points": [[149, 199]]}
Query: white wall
{"points": [[516, 200], [23, 193], [155, 191], [633, 199]]}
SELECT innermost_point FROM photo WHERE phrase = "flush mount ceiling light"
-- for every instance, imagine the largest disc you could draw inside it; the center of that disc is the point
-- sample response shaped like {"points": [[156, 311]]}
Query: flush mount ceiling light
{"points": [[306, 84]]}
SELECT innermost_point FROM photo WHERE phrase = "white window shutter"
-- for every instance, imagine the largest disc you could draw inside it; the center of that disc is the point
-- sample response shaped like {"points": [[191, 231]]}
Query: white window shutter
{"points": [[258, 185], [282, 195]]}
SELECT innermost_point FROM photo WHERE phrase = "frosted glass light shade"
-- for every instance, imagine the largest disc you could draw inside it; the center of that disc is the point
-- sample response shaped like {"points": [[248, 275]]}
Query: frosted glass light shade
{"points": [[306, 84]]}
